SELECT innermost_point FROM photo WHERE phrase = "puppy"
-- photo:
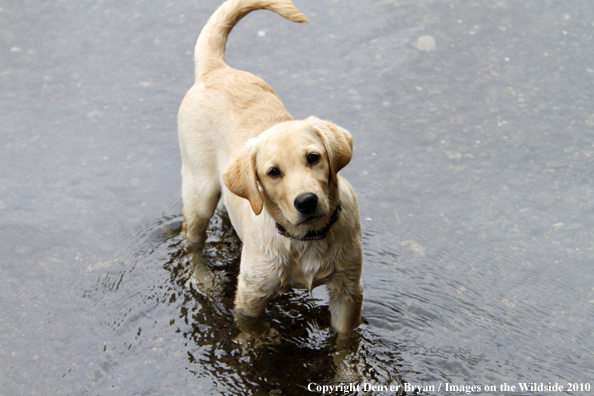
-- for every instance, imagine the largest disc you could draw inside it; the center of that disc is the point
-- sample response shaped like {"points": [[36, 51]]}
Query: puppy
{"points": [[277, 178]]}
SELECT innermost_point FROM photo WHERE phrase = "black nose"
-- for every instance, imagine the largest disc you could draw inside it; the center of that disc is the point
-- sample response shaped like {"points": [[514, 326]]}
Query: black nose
{"points": [[306, 203]]}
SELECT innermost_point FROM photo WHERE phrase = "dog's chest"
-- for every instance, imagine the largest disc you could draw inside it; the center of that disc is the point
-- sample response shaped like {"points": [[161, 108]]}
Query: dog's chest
{"points": [[309, 264]]}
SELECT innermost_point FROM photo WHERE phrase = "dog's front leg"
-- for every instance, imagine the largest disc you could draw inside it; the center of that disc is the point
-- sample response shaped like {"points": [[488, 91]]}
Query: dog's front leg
{"points": [[255, 287], [258, 281], [254, 290], [346, 299]]}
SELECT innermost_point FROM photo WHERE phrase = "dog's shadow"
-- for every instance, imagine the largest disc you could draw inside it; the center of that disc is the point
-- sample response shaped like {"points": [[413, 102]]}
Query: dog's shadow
{"points": [[290, 348]]}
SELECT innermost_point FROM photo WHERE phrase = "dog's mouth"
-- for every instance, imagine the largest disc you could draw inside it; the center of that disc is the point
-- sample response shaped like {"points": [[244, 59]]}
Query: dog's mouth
{"points": [[309, 220], [306, 220]]}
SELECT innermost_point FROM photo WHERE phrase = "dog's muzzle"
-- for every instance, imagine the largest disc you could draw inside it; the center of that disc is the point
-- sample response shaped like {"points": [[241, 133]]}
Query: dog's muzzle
{"points": [[306, 203]]}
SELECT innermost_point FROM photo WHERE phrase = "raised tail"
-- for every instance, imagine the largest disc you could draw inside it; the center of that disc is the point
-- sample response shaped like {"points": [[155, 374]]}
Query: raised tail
{"points": [[209, 52]]}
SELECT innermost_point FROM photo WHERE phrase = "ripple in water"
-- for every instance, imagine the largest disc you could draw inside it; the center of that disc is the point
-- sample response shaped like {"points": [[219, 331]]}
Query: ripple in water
{"points": [[154, 301]]}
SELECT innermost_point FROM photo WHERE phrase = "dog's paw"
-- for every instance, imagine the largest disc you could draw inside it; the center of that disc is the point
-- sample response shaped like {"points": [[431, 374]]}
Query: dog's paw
{"points": [[347, 363], [347, 370], [206, 284], [248, 341], [190, 246], [202, 278], [255, 333]]}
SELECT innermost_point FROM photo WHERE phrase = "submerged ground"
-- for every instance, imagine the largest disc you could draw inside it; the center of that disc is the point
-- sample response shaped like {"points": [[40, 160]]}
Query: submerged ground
{"points": [[474, 154]]}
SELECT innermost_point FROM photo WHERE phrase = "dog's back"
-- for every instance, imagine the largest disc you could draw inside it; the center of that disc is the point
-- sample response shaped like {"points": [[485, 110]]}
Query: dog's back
{"points": [[277, 177], [223, 109], [225, 99]]}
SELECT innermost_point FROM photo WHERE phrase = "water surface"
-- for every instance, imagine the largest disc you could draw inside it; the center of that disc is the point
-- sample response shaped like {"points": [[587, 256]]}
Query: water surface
{"points": [[474, 146]]}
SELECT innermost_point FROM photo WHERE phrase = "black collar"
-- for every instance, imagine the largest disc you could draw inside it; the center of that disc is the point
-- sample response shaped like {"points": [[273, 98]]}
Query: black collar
{"points": [[312, 235]]}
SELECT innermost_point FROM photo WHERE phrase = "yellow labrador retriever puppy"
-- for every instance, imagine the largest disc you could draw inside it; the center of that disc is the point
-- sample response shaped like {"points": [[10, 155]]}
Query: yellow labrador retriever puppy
{"points": [[277, 177]]}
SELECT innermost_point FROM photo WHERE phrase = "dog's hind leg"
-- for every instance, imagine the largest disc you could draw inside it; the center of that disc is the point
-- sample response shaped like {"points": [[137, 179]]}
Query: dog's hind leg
{"points": [[200, 195]]}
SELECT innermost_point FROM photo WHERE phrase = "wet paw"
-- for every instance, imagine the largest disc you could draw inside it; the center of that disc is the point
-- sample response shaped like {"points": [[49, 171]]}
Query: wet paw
{"points": [[255, 333], [190, 246], [249, 341]]}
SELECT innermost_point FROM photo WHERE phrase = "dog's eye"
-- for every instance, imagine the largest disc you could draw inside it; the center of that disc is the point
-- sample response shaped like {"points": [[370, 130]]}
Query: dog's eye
{"points": [[274, 172], [313, 158]]}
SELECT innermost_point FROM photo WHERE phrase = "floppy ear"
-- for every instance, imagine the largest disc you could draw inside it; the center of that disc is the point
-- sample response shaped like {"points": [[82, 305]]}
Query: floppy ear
{"points": [[240, 178], [338, 143]]}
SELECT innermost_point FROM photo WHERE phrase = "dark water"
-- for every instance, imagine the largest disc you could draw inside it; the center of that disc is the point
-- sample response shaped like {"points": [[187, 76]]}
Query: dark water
{"points": [[474, 167]]}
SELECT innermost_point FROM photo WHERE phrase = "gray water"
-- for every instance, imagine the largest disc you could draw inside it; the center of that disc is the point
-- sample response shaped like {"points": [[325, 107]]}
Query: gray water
{"points": [[474, 168]]}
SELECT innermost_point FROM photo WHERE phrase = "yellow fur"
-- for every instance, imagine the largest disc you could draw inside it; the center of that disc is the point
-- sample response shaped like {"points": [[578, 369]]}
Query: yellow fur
{"points": [[233, 129]]}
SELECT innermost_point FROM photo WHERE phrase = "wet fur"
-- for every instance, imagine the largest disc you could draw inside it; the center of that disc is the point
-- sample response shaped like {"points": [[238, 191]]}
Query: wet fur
{"points": [[232, 129]]}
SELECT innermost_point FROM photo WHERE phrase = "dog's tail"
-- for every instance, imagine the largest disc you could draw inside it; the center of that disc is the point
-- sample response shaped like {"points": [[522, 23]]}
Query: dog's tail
{"points": [[209, 53]]}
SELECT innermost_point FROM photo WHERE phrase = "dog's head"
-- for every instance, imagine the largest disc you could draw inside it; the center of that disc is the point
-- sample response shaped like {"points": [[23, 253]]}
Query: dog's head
{"points": [[291, 169]]}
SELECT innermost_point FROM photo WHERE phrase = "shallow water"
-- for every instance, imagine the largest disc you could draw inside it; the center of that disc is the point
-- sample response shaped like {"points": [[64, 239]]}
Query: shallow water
{"points": [[473, 168]]}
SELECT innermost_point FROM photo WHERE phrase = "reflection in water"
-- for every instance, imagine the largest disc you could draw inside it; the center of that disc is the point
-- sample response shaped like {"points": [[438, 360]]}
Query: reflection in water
{"points": [[473, 170], [201, 312]]}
